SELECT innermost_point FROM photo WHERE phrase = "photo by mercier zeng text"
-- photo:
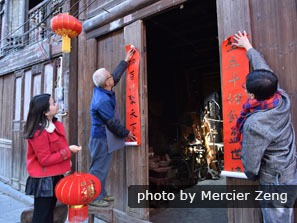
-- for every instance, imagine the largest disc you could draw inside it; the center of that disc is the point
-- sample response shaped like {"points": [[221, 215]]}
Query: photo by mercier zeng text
{"points": [[202, 197]]}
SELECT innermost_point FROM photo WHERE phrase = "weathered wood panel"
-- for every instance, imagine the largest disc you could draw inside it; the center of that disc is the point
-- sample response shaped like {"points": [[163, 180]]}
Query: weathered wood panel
{"points": [[243, 215], [111, 51], [27, 93], [23, 174], [137, 157], [119, 10], [5, 159], [147, 11], [275, 35], [274, 32], [87, 65], [18, 97], [37, 84], [99, 6], [232, 17], [16, 141], [48, 79], [5, 104], [6, 116], [71, 94], [29, 56]]}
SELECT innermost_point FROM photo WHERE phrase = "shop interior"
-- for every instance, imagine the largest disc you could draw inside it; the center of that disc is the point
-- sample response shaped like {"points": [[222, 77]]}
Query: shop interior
{"points": [[184, 95]]}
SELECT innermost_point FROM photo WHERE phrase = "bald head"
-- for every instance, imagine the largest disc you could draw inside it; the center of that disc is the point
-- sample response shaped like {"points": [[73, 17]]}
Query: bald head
{"points": [[100, 76]]}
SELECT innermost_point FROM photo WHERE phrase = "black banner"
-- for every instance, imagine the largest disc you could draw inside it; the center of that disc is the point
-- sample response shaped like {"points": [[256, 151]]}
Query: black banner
{"points": [[212, 196]]}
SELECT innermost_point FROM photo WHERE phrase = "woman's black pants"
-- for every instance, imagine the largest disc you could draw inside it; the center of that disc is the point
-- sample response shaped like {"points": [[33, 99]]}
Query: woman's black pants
{"points": [[44, 209]]}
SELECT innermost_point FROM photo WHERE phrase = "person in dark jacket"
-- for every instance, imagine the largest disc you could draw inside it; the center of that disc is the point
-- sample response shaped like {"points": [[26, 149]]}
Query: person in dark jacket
{"points": [[48, 155], [107, 131], [267, 136]]}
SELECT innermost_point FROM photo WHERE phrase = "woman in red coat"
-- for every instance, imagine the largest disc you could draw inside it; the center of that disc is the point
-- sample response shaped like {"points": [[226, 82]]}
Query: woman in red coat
{"points": [[48, 155]]}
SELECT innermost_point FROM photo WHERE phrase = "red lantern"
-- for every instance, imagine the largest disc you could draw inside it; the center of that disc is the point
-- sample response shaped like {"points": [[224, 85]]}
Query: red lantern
{"points": [[66, 26], [77, 191]]}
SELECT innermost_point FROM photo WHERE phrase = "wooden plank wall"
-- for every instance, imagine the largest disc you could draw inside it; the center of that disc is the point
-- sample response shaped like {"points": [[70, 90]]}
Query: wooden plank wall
{"points": [[274, 32], [87, 65], [6, 115]]}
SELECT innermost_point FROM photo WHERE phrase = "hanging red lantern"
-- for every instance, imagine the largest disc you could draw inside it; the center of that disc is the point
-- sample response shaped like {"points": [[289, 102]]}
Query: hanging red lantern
{"points": [[77, 191], [66, 26]]}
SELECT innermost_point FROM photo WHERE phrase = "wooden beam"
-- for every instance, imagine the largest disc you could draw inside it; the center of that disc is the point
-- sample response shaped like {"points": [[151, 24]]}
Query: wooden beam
{"points": [[116, 12], [136, 15]]}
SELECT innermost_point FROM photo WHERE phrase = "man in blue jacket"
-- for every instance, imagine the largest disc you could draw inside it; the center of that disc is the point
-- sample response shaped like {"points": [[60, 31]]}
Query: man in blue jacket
{"points": [[107, 131], [267, 136]]}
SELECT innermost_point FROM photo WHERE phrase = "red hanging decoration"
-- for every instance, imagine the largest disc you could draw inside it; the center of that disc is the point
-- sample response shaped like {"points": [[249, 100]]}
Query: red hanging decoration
{"points": [[66, 26], [77, 191]]}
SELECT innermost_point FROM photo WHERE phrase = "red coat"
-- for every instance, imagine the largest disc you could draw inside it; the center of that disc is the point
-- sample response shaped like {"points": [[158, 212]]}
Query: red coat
{"points": [[48, 154]]}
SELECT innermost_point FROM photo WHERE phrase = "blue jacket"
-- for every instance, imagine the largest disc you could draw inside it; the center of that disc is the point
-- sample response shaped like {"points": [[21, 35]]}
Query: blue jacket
{"points": [[268, 145], [103, 109]]}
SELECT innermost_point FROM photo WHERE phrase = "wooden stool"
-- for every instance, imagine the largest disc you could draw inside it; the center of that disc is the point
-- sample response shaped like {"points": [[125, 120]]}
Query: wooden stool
{"points": [[106, 213]]}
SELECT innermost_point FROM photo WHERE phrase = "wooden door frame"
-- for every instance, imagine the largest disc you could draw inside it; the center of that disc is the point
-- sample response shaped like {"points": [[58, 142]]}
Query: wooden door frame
{"points": [[137, 157]]}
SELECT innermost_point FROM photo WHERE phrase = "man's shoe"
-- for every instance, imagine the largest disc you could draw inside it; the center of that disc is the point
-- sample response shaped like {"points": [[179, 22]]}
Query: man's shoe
{"points": [[100, 203], [108, 198]]}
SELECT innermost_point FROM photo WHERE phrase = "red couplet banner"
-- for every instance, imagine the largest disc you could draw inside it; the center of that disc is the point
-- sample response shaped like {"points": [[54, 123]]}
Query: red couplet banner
{"points": [[132, 96], [235, 67]]}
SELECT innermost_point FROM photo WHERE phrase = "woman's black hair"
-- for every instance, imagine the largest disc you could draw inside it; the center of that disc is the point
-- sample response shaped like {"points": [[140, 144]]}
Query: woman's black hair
{"points": [[262, 83], [36, 119]]}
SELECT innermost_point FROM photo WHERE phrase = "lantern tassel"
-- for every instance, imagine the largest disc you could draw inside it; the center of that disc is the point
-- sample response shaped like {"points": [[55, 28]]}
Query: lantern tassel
{"points": [[77, 213], [66, 44]]}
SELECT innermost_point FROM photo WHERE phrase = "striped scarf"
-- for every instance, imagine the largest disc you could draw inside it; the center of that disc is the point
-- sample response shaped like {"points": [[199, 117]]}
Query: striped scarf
{"points": [[253, 105]]}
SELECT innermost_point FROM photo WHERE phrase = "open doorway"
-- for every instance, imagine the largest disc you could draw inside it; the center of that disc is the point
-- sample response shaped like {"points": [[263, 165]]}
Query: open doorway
{"points": [[184, 95]]}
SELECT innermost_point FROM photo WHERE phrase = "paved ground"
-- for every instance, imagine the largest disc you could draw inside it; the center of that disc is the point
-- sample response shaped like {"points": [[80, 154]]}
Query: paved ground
{"points": [[10, 209], [13, 203]]}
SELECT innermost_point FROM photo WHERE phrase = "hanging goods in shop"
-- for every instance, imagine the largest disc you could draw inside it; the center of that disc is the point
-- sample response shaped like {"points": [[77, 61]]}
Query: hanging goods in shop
{"points": [[66, 26], [77, 190]]}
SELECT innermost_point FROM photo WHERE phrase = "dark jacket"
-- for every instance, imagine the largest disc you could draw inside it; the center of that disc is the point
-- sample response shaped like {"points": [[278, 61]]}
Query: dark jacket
{"points": [[103, 108], [268, 145]]}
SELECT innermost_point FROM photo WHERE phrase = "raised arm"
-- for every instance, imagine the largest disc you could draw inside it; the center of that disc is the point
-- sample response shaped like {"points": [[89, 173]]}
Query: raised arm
{"points": [[121, 68], [255, 58]]}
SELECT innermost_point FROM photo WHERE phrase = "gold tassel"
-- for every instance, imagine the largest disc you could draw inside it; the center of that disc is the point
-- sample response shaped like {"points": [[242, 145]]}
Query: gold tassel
{"points": [[66, 44]]}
